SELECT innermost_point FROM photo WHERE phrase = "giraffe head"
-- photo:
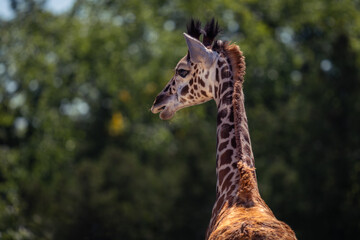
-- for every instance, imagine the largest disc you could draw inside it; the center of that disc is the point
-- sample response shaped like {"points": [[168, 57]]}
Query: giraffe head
{"points": [[193, 81]]}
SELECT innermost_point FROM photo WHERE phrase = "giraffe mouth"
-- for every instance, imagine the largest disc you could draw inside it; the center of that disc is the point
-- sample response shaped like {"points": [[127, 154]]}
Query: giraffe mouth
{"points": [[161, 108], [163, 104], [157, 109], [165, 112]]}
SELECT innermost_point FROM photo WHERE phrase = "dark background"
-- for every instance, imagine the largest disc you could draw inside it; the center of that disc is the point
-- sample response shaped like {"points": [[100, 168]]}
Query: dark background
{"points": [[82, 157]]}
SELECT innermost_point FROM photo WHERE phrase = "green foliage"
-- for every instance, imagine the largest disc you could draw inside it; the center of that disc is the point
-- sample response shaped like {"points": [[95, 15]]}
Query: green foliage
{"points": [[82, 157]]}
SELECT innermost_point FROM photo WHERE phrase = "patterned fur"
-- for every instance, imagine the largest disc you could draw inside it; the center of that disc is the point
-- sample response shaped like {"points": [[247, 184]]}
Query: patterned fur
{"points": [[215, 70]]}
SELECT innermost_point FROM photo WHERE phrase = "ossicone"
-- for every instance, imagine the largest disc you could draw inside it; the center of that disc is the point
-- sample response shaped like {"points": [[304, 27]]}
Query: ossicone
{"points": [[210, 31], [194, 28]]}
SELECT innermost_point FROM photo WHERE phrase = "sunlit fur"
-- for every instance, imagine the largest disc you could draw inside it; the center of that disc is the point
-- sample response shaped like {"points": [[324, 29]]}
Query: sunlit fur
{"points": [[257, 221]]}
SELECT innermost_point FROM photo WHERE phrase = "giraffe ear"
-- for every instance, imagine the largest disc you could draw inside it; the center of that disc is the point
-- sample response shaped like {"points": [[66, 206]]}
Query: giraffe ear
{"points": [[198, 52]]}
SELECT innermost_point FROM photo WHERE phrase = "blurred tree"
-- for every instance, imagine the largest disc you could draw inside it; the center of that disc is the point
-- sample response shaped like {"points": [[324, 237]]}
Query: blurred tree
{"points": [[82, 157]]}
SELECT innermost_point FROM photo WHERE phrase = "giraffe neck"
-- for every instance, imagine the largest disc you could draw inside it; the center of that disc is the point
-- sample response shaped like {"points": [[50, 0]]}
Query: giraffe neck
{"points": [[233, 139]]}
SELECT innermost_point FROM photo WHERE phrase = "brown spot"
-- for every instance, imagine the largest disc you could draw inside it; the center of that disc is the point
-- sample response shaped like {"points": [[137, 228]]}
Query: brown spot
{"points": [[225, 73], [173, 83], [231, 117], [248, 161], [195, 87], [227, 98], [201, 82], [246, 137], [223, 145], [195, 67], [245, 124], [234, 165], [227, 182], [233, 142], [219, 204], [217, 75], [185, 90], [207, 75], [245, 132], [226, 85], [204, 93], [225, 130], [231, 190], [220, 63], [221, 115], [225, 158], [231, 201], [239, 150], [247, 150], [216, 92], [191, 82], [192, 91], [222, 174]]}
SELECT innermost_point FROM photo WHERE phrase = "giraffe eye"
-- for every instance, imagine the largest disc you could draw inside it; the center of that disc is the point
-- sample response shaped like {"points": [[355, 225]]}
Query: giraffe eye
{"points": [[182, 72]]}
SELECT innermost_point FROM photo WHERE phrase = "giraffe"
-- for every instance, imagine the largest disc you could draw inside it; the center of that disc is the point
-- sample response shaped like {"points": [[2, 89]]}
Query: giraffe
{"points": [[213, 69]]}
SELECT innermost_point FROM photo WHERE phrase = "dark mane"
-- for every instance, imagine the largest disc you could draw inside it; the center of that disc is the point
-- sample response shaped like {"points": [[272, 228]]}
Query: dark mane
{"points": [[211, 30], [194, 28]]}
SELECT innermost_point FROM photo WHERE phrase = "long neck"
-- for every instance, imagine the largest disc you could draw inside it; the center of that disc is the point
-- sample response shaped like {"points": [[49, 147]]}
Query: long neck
{"points": [[233, 139]]}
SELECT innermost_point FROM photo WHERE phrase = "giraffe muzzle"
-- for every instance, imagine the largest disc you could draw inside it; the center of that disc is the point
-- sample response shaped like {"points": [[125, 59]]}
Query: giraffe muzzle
{"points": [[162, 107], [165, 112], [160, 103], [157, 109]]}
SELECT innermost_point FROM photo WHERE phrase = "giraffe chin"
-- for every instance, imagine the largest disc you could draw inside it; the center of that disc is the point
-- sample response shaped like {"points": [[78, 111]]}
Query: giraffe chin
{"points": [[166, 114]]}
